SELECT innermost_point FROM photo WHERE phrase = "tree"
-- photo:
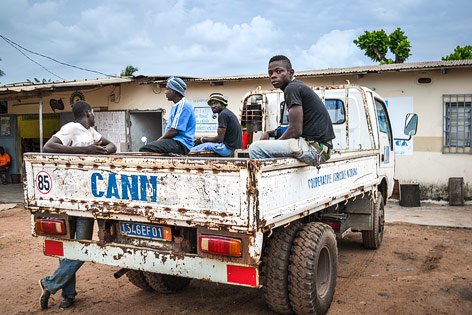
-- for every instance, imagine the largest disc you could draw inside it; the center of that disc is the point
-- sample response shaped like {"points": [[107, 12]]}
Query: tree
{"points": [[460, 53], [36, 80], [377, 44], [128, 71], [1, 72]]}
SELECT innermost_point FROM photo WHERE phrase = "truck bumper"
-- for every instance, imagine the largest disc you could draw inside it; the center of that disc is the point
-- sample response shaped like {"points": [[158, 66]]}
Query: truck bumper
{"points": [[130, 257]]}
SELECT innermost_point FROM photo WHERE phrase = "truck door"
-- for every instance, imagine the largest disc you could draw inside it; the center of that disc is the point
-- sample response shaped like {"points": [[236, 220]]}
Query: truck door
{"points": [[387, 154]]}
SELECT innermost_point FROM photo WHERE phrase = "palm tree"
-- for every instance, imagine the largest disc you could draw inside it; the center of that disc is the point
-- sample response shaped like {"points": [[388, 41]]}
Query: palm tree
{"points": [[128, 71]]}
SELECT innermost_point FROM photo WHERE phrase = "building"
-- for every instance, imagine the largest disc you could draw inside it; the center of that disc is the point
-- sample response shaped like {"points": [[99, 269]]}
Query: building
{"points": [[129, 108]]}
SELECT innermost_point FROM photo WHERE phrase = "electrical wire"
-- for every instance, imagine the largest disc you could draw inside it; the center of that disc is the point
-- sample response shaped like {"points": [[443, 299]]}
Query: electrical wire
{"points": [[7, 40], [17, 46]]}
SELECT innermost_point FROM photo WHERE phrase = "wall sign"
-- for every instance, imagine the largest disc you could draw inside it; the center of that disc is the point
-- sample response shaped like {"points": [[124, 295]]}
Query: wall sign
{"points": [[5, 128], [76, 96]]}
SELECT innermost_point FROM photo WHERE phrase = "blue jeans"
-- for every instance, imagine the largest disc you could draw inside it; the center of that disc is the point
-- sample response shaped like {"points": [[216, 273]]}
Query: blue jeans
{"points": [[306, 151], [219, 148], [64, 276]]}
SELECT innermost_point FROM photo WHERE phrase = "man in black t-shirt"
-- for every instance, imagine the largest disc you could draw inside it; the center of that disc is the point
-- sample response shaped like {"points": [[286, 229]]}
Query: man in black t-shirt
{"points": [[229, 137], [310, 131]]}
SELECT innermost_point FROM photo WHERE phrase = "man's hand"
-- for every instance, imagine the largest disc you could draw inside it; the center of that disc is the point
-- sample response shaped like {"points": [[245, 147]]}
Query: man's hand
{"points": [[96, 149], [265, 136], [198, 141]]}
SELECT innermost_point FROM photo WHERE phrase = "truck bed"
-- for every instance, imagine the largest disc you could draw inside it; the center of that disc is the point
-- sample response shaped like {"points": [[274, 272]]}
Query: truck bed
{"points": [[236, 194]]}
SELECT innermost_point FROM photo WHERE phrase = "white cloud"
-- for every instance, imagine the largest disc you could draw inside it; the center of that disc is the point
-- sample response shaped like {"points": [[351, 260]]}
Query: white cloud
{"points": [[211, 46], [334, 49]]}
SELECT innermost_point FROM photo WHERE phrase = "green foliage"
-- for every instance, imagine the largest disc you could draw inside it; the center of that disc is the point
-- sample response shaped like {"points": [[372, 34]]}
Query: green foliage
{"points": [[1, 72], [460, 53], [128, 71], [36, 80], [376, 45]]}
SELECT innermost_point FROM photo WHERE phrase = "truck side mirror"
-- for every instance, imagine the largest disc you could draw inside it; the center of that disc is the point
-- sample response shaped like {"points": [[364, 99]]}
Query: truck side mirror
{"points": [[411, 124]]}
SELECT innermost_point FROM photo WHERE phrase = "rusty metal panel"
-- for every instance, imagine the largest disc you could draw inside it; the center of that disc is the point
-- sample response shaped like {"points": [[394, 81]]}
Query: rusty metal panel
{"points": [[305, 189], [189, 191], [153, 261]]}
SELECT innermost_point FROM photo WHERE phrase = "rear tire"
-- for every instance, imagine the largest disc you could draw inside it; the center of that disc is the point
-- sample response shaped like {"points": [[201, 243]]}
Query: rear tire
{"points": [[373, 239], [313, 269], [275, 268], [165, 283], [137, 278]]}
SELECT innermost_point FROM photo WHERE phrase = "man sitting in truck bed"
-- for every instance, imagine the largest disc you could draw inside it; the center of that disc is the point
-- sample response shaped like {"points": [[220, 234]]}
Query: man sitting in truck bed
{"points": [[180, 129], [77, 137], [229, 137], [310, 130]]}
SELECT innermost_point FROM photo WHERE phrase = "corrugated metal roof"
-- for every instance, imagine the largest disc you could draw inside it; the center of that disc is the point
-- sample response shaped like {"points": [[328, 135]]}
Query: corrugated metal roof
{"points": [[28, 87], [396, 67]]}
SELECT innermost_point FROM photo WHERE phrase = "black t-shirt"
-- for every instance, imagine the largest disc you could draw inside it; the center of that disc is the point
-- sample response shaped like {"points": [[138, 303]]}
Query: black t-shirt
{"points": [[317, 124], [233, 136]]}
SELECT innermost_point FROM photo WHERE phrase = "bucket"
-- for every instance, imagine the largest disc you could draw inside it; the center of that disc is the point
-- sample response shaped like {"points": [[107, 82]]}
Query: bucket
{"points": [[15, 178], [409, 195]]}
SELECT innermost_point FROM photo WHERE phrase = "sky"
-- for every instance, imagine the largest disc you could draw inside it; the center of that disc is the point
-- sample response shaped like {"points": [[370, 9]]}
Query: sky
{"points": [[214, 37]]}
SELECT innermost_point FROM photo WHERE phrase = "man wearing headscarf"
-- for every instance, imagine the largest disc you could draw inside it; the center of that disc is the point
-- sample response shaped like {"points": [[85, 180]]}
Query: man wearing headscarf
{"points": [[229, 137], [181, 125]]}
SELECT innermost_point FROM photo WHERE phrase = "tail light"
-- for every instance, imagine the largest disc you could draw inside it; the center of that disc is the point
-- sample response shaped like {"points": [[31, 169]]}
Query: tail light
{"points": [[218, 245], [335, 226], [49, 226]]}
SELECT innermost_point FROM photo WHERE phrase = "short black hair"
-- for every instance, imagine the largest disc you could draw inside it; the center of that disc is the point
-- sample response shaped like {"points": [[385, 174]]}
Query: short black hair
{"points": [[282, 58], [80, 108]]}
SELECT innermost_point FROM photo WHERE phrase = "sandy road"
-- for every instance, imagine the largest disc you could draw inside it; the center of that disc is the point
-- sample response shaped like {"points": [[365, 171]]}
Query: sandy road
{"points": [[417, 270]]}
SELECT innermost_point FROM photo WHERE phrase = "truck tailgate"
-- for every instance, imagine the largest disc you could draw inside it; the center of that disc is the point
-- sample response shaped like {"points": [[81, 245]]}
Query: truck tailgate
{"points": [[181, 190]]}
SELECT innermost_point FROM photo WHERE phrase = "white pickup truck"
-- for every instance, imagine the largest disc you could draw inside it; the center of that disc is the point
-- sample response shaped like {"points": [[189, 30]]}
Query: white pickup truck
{"points": [[269, 224]]}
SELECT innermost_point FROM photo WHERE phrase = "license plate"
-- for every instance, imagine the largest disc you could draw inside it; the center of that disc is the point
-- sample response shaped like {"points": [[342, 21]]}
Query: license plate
{"points": [[146, 231]]}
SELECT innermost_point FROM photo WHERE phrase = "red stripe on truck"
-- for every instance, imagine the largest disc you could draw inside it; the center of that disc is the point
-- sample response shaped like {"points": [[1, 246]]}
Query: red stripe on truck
{"points": [[53, 248], [241, 275]]}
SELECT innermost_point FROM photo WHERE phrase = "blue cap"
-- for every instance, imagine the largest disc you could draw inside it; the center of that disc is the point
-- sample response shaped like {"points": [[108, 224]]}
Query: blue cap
{"points": [[177, 84]]}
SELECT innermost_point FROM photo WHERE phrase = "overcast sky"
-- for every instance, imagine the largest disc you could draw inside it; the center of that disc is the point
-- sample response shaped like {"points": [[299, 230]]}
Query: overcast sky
{"points": [[215, 37]]}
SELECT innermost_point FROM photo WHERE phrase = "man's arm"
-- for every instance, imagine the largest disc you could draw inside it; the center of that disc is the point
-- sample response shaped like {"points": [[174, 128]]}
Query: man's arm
{"points": [[218, 138], [295, 125], [171, 133], [108, 145], [55, 145]]}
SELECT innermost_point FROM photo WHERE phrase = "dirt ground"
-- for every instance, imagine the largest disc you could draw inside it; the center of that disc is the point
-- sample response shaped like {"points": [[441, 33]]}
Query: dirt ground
{"points": [[417, 270]]}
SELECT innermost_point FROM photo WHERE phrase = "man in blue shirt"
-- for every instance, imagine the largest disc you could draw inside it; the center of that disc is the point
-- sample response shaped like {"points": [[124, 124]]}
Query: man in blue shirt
{"points": [[180, 130]]}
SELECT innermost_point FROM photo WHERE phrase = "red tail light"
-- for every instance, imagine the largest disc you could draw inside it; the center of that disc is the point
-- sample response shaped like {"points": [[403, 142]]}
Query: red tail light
{"points": [[335, 226], [49, 226], [218, 245]]}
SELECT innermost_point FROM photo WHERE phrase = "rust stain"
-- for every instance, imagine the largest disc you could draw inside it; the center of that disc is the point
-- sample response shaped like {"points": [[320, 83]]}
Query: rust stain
{"points": [[182, 210]]}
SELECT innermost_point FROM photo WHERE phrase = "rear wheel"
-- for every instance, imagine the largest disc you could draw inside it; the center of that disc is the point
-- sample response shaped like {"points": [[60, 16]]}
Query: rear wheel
{"points": [[166, 283], [275, 268], [373, 238], [313, 269], [137, 278]]}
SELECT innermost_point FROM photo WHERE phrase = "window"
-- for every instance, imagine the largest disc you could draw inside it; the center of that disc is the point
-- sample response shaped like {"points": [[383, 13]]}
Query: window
{"points": [[457, 123], [384, 122], [3, 107], [335, 109]]}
